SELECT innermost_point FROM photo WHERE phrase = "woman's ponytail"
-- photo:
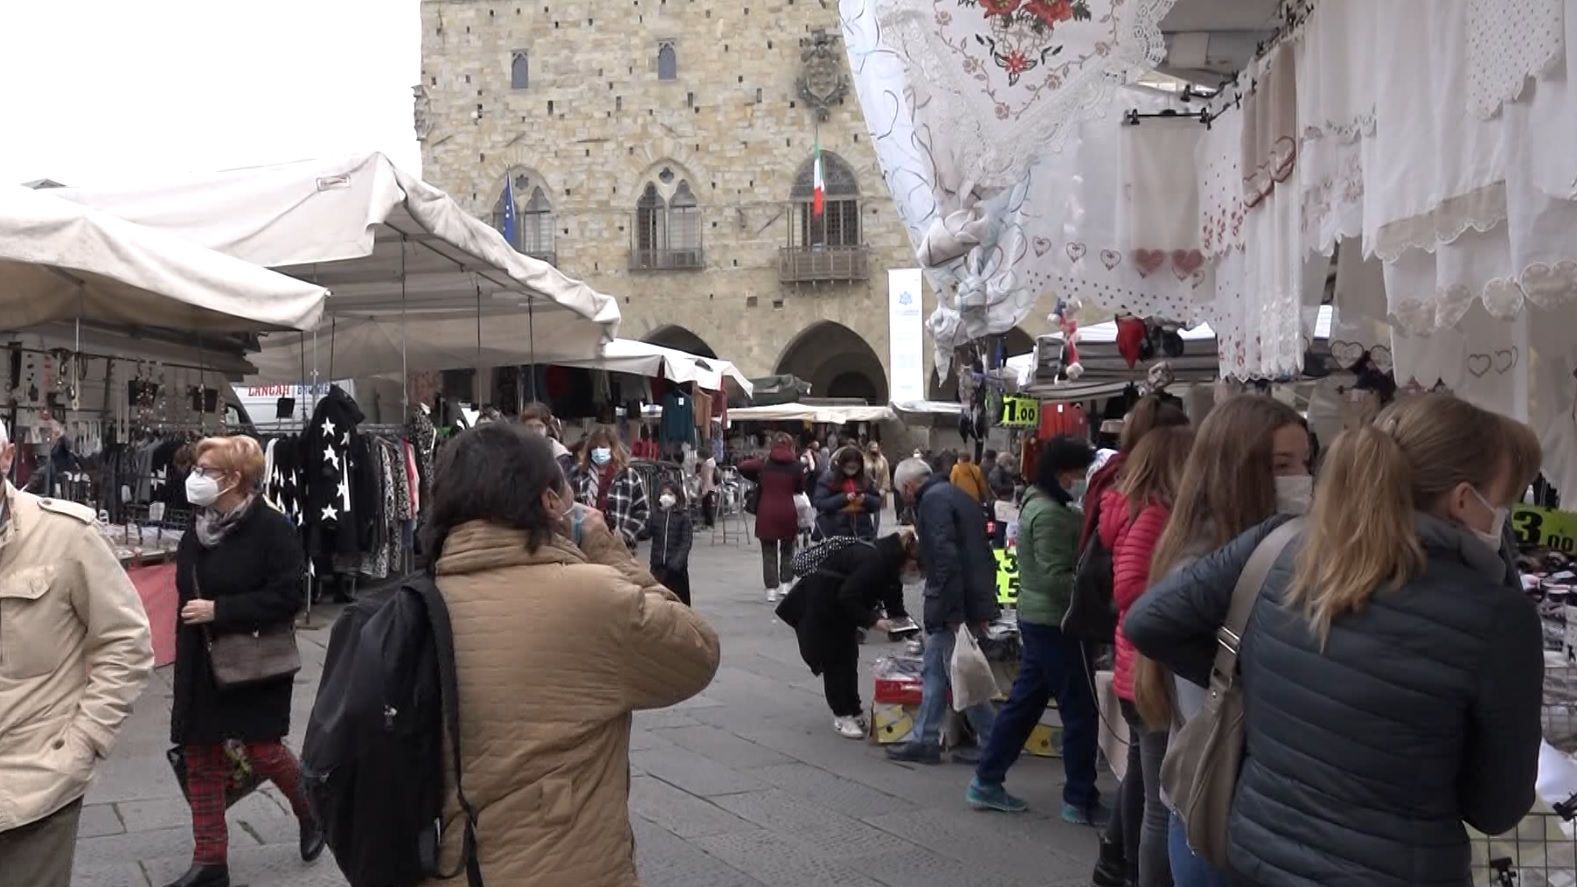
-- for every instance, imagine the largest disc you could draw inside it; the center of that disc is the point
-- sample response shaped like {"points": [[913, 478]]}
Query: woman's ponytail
{"points": [[1361, 535]]}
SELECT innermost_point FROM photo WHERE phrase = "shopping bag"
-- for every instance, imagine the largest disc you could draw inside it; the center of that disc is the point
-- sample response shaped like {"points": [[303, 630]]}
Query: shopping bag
{"points": [[240, 781], [970, 672], [805, 511]]}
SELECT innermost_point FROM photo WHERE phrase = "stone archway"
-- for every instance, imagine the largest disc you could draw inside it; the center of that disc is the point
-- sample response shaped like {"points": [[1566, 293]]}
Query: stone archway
{"points": [[837, 362], [680, 338]]}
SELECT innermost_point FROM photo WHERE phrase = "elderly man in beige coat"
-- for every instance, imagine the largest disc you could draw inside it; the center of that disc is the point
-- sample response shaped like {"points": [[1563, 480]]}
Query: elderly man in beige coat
{"points": [[75, 653]]}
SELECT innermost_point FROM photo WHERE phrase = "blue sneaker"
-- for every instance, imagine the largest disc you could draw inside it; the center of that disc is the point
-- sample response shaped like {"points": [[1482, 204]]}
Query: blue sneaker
{"points": [[1096, 815], [993, 797]]}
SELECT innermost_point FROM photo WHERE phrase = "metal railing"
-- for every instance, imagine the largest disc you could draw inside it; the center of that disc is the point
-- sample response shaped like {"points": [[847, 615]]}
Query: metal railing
{"points": [[667, 259], [823, 264]]}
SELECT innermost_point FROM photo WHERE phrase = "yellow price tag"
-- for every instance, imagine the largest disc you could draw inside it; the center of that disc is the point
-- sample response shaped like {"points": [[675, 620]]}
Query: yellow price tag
{"points": [[1547, 527], [1007, 577], [1020, 412]]}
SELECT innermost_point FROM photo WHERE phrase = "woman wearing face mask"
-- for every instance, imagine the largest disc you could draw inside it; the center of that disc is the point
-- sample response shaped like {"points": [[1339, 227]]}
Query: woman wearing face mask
{"points": [[557, 642], [239, 570], [1391, 670], [671, 534], [1250, 461], [846, 501], [1052, 667], [606, 482]]}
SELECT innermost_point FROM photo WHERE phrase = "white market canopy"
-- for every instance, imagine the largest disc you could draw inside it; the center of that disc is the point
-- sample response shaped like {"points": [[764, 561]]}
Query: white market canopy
{"points": [[646, 359], [396, 252], [804, 412], [61, 261]]}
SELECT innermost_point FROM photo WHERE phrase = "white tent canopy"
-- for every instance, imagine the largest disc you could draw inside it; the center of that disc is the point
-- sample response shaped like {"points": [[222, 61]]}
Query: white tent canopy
{"points": [[390, 246], [646, 359], [61, 261], [803, 412]]}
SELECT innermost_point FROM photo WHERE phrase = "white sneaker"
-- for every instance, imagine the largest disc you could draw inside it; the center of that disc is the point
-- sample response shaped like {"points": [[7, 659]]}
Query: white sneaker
{"points": [[772, 594], [785, 588], [848, 728]]}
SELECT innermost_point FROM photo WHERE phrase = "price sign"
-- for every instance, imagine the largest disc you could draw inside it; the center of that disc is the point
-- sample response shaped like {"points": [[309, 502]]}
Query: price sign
{"points": [[1007, 577], [1020, 412], [1555, 530]]}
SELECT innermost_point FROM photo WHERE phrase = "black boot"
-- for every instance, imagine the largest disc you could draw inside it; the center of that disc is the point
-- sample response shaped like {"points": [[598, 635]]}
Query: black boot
{"points": [[1111, 870], [204, 876], [312, 840]]}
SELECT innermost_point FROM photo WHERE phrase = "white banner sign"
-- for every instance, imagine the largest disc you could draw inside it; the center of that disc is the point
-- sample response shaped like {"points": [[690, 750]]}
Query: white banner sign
{"points": [[905, 336]]}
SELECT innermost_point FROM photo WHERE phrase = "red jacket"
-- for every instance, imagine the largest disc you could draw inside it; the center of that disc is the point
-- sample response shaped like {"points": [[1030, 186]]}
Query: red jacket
{"points": [[1132, 544], [780, 476], [1100, 482]]}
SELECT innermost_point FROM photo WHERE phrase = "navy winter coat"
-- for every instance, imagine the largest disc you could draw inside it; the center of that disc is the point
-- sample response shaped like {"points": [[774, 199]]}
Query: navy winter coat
{"points": [[960, 568]]}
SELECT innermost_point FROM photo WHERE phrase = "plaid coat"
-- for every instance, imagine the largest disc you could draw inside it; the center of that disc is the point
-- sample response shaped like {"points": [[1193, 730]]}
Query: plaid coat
{"points": [[628, 507]]}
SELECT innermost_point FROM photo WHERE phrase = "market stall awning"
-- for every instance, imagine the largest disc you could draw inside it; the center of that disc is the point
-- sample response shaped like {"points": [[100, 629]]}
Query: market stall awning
{"points": [[646, 359], [386, 243], [63, 261], [803, 412]]}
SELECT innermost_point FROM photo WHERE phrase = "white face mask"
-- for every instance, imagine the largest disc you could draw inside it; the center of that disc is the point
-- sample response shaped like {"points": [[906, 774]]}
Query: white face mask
{"points": [[1294, 493], [666, 500], [201, 490], [1497, 525], [601, 455]]}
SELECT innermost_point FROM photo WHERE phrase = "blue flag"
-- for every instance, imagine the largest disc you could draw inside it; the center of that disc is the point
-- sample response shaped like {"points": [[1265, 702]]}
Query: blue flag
{"points": [[509, 228]]}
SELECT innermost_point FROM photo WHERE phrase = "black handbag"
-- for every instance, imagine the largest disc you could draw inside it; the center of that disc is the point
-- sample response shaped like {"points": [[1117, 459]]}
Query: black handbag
{"points": [[1091, 617]]}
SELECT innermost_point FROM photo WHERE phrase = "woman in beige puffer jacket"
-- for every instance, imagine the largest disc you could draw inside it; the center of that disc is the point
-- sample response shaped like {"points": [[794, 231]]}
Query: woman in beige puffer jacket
{"points": [[560, 635]]}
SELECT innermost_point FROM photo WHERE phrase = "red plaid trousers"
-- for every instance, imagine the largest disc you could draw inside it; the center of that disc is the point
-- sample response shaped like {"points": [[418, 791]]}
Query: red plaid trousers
{"points": [[207, 768]]}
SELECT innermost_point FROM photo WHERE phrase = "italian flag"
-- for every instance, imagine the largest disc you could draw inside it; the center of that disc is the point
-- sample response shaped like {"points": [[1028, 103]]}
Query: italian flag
{"points": [[818, 199]]}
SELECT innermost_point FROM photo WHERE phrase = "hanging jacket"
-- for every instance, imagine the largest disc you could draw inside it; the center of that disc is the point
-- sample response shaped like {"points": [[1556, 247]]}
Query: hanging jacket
{"points": [[1132, 541], [327, 469], [1363, 760]]}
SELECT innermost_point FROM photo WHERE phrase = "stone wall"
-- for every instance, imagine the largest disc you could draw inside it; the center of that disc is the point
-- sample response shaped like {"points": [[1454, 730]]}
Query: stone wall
{"points": [[596, 124]]}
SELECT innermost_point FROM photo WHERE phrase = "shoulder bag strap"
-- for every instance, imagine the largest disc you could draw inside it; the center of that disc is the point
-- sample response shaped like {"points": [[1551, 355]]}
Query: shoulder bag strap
{"points": [[449, 689], [1245, 594]]}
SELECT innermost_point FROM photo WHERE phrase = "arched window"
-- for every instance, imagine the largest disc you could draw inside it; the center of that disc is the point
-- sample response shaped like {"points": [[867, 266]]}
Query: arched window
{"points": [[533, 234], [519, 70], [667, 229], [667, 61], [839, 224]]}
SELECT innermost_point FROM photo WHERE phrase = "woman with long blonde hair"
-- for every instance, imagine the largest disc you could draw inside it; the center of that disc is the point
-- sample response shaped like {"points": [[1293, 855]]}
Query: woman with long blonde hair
{"points": [[1133, 515], [1249, 462], [1392, 670]]}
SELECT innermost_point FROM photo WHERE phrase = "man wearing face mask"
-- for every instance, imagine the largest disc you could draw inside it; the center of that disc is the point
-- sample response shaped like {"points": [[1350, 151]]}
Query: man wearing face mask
{"points": [[75, 653]]}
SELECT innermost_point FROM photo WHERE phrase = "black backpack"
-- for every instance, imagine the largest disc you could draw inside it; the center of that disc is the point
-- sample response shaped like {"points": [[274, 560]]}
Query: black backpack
{"points": [[1091, 616], [372, 760]]}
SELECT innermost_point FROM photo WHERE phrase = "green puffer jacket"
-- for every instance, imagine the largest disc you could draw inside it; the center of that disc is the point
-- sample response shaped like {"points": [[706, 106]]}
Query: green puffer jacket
{"points": [[1048, 553]]}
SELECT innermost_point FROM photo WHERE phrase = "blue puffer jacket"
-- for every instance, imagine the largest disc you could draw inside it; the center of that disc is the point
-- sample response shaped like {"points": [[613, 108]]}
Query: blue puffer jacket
{"points": [[1364, 760]]}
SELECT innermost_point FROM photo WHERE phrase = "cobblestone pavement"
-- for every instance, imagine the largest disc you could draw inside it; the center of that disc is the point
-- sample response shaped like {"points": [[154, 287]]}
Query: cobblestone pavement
{"points": [[744, 786]]}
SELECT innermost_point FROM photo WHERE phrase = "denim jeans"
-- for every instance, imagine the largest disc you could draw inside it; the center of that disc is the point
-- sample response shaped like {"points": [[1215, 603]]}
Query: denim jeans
{"points": [[936, 680], [1189, 870], [1052, 668]]}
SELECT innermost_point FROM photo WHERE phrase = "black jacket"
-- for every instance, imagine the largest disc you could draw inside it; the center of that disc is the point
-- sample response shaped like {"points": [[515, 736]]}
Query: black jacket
{"points": [[843, 594], [1363, 761], [254, 578], [671, 535], [328, 472], [830, 499], [960, 568]]}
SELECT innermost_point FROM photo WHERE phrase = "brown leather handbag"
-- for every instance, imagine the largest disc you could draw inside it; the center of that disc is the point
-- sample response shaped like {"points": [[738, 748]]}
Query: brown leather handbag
{"points": [[245, 658]]}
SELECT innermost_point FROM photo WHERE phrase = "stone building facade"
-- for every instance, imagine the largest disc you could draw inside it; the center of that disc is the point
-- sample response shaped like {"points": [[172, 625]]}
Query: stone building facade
{"points": [[661, 150]]}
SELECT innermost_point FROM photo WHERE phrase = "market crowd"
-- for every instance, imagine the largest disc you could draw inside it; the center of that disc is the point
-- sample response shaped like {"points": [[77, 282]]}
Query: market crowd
{"points": [[1369, 625]]}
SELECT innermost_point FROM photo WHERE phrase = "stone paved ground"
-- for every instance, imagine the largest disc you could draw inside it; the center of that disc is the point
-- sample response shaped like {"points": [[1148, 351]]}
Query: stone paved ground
{"points": [[743, 786]]}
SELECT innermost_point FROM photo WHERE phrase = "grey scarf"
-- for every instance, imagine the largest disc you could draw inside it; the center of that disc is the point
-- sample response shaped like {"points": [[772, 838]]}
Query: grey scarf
{"points": [[212, 527]]}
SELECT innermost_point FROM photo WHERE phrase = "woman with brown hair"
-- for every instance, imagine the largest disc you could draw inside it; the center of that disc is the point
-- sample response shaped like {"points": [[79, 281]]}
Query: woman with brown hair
{"points": [[1250, 461], [605, 481], [1147, 415], [1133, 515], [1392, 670]]}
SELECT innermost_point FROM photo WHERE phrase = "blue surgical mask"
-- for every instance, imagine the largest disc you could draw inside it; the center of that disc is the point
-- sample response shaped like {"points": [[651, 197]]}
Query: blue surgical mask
{"points": [[601, 455], [1078, 488]]}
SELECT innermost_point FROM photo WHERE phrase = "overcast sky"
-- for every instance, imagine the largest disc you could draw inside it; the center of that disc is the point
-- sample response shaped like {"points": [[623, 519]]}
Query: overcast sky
{"points": [[97, 92]]}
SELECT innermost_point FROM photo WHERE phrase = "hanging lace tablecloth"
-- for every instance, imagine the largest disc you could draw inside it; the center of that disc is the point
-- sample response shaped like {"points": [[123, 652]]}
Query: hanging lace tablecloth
{"points": [[1336, 109], [1509, 41], [1008, 77]]}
